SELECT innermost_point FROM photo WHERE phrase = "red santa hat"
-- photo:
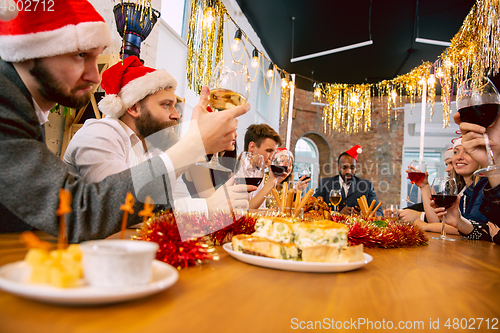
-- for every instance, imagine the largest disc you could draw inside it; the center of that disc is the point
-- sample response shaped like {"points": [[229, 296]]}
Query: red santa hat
{"points": [[448, 154], [354, 151], [54, 28], [129, 82]]}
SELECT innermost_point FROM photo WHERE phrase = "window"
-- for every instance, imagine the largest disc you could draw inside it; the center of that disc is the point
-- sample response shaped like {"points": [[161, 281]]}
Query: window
{"points": [[306, 155], [175, 12]]}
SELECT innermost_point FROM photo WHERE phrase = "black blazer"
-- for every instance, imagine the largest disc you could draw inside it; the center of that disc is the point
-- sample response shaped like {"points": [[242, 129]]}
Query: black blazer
{"points": [[359, 187]]}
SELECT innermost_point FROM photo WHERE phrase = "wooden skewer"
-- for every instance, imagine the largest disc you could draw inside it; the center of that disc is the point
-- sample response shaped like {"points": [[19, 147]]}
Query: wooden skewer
{"points": [[289, 201], [298, 197], [371, 206], [303, 202], [284, 191], [277, 198], [373, 212]]}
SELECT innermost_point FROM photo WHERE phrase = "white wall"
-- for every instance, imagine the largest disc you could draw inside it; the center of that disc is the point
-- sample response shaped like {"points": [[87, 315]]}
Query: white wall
{"points": [[172, 53]]}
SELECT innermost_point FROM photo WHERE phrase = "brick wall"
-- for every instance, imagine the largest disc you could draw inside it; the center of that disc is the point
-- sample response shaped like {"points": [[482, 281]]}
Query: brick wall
{"points": [[380, 161]]}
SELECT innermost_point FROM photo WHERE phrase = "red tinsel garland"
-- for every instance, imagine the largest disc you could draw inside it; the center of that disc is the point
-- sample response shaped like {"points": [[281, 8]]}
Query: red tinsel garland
{"points": [[200, 234]]}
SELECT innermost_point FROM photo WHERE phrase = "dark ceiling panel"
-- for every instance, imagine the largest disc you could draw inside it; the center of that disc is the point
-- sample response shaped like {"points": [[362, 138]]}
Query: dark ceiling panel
{"points": [[321, 25]]}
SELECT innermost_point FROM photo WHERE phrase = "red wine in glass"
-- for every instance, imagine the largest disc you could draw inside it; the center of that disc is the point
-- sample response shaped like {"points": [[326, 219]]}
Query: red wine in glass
{"points": [[278, 170], [444, 200], [483, 115], [416, 177], [255, 181]]}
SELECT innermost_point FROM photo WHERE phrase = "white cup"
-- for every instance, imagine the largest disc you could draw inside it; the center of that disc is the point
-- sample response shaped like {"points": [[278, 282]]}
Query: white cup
{"points": [[117, 263]]}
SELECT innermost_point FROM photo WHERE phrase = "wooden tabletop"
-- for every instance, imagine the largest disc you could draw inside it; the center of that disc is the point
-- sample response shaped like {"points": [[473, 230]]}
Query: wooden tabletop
{"points": [[455, 282]]}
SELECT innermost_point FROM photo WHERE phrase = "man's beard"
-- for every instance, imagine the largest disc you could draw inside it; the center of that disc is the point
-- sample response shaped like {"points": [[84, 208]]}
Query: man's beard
{"points": [[347, 181], [147, 125], [51, 89]]}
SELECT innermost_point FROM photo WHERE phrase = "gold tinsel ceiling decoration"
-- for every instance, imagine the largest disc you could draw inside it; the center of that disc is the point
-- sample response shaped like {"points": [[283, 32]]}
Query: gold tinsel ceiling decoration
{"points": [[474, 51]]}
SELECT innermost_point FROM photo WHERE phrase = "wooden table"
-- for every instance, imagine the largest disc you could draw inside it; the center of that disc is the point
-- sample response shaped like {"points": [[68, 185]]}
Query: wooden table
{"points": [[407, 286]]}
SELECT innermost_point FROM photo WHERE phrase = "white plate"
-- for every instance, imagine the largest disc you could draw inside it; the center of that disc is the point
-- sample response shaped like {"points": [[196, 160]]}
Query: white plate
{"points": [[14, 277], [298, 266]]}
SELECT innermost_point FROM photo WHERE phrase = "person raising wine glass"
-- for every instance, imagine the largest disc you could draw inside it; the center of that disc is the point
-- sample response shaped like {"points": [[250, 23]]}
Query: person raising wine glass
{"points": [[465, 214]]}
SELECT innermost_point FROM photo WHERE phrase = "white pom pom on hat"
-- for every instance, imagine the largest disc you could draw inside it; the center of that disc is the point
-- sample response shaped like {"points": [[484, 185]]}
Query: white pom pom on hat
{"points": [[8, 13], [354, 151]]}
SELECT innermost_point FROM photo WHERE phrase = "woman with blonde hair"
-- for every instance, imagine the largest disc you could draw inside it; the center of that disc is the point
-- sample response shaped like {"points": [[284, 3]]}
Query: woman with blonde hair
{"points": [[465, 214]]}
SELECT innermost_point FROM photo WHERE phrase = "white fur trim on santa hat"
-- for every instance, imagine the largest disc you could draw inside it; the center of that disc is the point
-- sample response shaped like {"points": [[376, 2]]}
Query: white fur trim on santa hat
{"points": [[359, 150], [135, 91], [70, 38], [448, 154], [457, 143]]}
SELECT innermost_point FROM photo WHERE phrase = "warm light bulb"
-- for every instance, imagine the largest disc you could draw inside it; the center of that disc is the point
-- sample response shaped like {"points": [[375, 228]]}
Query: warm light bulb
{"points": [[284, 83], [208, 16], [447, 62], [255, 58], [355, 98], [422, 81], [270, 71], [439, 72], [317, 92], [431, 80], [394, 94], [237, 40]]}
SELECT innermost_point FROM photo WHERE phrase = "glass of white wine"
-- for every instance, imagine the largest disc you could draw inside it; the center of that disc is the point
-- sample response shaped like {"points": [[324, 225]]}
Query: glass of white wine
{"points": [[229, 87]]}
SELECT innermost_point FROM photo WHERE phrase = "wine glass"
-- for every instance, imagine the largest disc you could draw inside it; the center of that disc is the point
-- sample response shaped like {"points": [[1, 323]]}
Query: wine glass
{"points": [[478, 102], [229, 87], [444, 192], [391, 211], [416, 174], [281, 162], [335, 198], [249, 169]]}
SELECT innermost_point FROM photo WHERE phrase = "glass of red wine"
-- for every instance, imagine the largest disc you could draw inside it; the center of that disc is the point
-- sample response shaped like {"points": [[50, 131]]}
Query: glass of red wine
{"points": [[416, 174], [229, 87], [281, 162], [249, 169], [478, 102], [444, 192]]}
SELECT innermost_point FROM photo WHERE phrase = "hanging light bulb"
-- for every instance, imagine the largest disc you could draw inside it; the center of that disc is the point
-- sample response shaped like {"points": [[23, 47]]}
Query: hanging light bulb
{"points": [[317, 92], [439, 72], [355, 98], [255, 58], [422, 81], [447, 62], [237, 40], [284, 82], [270, 71], [431, 80], [394, 95], [208, 15]]}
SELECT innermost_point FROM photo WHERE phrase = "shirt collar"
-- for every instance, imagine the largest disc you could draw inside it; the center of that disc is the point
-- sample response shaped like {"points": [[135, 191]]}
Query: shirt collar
{"points": [[43, 116], [134, 139]]}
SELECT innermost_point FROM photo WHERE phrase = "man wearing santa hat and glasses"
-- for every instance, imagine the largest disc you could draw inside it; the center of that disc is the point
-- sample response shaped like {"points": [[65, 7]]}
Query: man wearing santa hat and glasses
{"points": [[50, 58], [352, 187], [141, 118]]}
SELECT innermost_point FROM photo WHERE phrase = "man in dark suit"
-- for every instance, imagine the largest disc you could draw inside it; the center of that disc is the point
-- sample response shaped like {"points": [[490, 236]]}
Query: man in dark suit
{"points": [[51, 58], [351, 187]]}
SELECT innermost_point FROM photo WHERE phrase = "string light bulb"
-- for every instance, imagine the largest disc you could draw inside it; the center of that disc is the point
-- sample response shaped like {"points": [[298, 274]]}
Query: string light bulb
{"points": [[355, 98], [439, 72], [208, 15], [255, 58], [270, 70], [394, 95], [431, 80], [237, 40], [284, 82], [317, 92]]}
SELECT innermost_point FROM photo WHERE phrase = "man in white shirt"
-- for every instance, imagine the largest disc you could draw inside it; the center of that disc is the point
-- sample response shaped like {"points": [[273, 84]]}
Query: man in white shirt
{"points": [[52, 58], [141, 117]]}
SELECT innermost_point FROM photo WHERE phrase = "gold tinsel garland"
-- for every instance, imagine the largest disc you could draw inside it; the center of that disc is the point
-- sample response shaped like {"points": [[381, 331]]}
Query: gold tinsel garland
{"points": [[205, 41], [474, 51]]}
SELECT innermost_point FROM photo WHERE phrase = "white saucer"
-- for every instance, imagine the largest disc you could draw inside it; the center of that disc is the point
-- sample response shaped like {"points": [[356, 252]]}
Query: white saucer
{"points": [[297, 266], [14, 279]]}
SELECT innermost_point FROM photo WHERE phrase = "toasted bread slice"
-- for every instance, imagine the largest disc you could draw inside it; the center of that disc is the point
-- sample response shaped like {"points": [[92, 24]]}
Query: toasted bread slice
{"points": [[264, 247], [333, 253]]}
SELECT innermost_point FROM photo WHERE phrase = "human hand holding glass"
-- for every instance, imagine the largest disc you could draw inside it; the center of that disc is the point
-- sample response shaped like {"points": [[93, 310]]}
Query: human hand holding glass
{"points": [[416, 173], [444, 192], [229, 87], [281, 163], [478, 102]]}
